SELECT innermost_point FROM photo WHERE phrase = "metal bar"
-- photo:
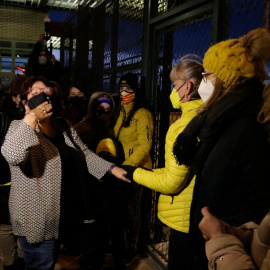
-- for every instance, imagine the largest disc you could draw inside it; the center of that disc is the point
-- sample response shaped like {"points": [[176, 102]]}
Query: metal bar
{"points": [[179, 10], [220, 21], [266, 15]]}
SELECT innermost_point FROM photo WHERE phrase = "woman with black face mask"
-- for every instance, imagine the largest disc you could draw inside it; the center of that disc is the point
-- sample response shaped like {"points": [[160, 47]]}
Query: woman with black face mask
{"points": [[110, 194], [97, 123], [76, 108], [49, 168]]}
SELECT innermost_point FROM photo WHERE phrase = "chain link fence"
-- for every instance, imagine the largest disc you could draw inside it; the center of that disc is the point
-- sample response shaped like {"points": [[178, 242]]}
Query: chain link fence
{"points": [[98, 45]]}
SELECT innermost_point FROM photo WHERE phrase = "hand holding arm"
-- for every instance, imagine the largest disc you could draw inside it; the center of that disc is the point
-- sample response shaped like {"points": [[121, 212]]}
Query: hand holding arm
{"points": [[210, 225], [129, 171]]}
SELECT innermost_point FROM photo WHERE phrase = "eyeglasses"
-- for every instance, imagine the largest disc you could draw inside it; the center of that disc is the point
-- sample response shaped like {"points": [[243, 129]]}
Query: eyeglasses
{"points": [[36, 91], [103, 111], [126, 89], [205, 76]]}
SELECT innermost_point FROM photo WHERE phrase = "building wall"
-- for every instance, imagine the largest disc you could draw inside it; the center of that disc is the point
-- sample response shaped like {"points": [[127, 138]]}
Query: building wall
{"points": [[21, 23]]}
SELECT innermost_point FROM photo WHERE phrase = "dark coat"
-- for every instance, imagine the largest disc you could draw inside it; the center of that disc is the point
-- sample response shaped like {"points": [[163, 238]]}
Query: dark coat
{"points": [[234, 181], [51, 71]]}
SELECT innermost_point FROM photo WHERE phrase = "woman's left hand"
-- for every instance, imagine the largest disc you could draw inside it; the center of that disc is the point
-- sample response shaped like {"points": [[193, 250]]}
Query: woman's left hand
{"points": [[120, 173]]}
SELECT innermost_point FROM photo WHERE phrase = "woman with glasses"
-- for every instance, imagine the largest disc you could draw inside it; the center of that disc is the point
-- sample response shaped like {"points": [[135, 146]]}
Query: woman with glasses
{"points": [[49, 167], [174, 182], [225, 145]]}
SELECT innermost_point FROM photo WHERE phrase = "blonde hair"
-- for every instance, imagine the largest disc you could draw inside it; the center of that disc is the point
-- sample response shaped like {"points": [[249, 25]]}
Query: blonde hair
{"points": [[188, 69]]}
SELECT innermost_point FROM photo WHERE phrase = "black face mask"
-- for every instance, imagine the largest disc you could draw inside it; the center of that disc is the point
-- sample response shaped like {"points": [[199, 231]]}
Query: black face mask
{"points": [[35, 101], [76, 101]]}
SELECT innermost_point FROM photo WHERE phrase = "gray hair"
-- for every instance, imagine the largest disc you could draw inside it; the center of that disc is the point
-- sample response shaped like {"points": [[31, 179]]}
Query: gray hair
{"points": [[189, 69]]}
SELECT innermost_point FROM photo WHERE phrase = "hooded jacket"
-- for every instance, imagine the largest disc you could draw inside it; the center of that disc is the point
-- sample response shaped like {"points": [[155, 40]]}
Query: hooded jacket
{"points": [[175, 200], [91, 130]]}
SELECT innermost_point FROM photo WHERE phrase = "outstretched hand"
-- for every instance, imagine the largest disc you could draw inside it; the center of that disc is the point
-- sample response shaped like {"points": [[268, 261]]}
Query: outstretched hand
{"points": [[120, 174], [129, 171]]}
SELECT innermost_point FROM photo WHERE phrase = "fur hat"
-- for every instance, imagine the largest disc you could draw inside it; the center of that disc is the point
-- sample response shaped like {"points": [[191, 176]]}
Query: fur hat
{"points": [[129, 80], [229, 60]]}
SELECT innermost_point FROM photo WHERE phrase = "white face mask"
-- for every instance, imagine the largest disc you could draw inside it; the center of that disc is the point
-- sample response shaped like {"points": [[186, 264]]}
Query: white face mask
{"points": [[206, 89], [42, 60]]}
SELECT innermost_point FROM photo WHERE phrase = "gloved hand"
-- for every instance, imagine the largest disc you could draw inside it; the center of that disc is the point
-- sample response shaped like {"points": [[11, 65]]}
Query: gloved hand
{"points": [[130, 170]]}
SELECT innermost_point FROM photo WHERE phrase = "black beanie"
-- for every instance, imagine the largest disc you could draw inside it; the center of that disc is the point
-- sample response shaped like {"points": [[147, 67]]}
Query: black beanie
{"points": [[129, 80]]}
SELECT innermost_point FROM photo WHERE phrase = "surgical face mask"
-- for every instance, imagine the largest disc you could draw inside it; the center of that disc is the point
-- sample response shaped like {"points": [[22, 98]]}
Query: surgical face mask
{"points": [[206, 89], [127, 97], [175, 99], [42, 60]]}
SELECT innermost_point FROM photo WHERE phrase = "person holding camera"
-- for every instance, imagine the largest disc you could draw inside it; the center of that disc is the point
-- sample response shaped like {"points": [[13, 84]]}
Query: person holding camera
{"points": [[43, 63]]}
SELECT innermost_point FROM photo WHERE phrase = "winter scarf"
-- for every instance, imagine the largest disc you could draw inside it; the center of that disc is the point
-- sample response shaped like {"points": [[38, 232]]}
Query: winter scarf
{"points": [[194, 144]]}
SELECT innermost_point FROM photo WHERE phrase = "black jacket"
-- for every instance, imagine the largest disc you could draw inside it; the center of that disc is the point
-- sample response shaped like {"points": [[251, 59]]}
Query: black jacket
{"points": [[234, 180]]}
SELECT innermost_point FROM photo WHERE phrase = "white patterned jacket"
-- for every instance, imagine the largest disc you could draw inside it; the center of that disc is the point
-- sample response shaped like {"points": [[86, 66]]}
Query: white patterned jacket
{"points": [[35, 167]]}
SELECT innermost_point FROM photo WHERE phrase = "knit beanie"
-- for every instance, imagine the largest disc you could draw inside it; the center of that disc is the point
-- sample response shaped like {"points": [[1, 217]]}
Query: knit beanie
{"points": [[129, 80], [103, 99], [229, 60]]}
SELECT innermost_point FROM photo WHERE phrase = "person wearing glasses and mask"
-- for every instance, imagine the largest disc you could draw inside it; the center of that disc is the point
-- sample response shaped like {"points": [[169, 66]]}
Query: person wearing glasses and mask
{"points": [[175, 182], [225, 145], [134, 129], [49, 165], [97, 125]]}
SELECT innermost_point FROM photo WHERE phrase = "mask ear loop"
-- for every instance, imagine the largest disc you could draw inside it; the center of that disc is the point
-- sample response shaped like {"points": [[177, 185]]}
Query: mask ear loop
{"points": [[184, 96]]}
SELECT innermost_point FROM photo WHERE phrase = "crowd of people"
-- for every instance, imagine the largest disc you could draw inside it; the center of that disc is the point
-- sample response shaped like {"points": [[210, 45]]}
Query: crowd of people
{"points": [[73, 174]]}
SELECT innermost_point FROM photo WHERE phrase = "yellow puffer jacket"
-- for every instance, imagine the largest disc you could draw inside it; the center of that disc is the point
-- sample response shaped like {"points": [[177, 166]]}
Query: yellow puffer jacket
{"points": [[137, 138], [173, 210]]}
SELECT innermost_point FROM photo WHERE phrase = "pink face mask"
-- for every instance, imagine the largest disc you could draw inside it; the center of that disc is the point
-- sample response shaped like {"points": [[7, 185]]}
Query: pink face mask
{"points": [[127, 97]]}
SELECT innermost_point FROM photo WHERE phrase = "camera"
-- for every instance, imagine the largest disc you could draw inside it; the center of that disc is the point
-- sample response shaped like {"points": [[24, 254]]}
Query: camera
{"points": [[47, 25]]}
